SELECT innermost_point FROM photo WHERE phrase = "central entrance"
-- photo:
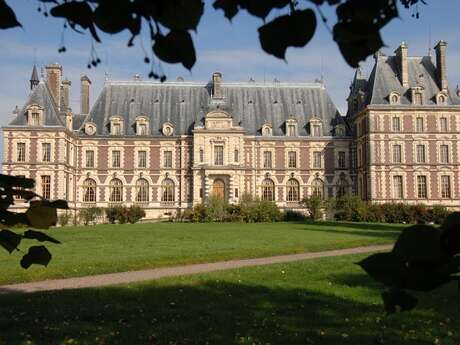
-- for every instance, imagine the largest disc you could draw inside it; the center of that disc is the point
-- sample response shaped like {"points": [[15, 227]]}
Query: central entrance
{"points": [[218, 188]]}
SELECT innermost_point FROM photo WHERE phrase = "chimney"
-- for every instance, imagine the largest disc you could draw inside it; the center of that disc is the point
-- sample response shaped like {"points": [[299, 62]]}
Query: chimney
{"points": [[65, 94], [53, 79], [401, 54], [216, 85], [84, 97], [441, 68]]}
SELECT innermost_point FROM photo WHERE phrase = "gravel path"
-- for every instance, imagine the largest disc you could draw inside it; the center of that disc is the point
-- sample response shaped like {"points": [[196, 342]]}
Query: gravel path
{"points": [[157, 273]]}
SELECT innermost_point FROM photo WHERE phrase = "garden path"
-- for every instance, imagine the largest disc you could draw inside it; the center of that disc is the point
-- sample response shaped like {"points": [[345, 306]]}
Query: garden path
{"points": [[157, 273]]}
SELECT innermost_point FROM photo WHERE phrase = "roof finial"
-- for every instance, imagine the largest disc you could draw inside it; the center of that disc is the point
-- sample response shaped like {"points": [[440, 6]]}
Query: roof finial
{"points": [[34, 78]]}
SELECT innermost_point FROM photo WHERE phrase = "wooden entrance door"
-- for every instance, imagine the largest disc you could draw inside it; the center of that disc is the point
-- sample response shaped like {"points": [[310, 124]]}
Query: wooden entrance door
{"points": [[218, 188]]}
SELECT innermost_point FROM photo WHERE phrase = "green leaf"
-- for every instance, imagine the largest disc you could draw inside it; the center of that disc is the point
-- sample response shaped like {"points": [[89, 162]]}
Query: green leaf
{"points": [[39, 236], [176, 46], [357, 31], [230, 7], [261, 9], [420, 243], [9, 240], [61, 204], [38, 255], [112, 18], [7, 16], [294, 30], [41, 216], [190, 11], [16, 181], [395, 299]]}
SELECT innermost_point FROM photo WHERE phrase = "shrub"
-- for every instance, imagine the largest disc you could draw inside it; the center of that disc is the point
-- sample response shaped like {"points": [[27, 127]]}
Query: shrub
{"points": [[293, 216], [64, 218], [216, 208], [135, 214], [88, 215], [117, 213], [314, 207], [199, 214], [439, 214]]}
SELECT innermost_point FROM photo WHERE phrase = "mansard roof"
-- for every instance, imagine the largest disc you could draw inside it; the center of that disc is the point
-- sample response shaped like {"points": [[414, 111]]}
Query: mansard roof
{"points": [[186, 104], [385, 78], [40, 95]]}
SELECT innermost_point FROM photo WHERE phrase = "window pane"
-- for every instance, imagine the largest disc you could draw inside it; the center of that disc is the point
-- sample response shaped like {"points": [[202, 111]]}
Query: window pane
{"points": [[218, 155], [116, 159], [444, 153], [421, 187], [317, 160], [292, 159], [46, 151], [397, 153], [421, 157], [21, 148], [46, 186], [167, 155], [268, 190], [293, 190], [267, 159], [445, 186], [419, 124], [396, 124], [90, 159], [443, 124], [398, 187], [341, 161], [142, 159]]}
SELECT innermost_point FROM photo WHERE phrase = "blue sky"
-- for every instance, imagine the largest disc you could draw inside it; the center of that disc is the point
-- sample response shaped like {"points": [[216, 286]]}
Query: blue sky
{"points": [[231, 48]]}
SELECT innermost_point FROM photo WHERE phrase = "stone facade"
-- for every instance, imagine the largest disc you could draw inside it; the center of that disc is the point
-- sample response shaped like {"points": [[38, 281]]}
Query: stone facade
{"points": [[168, 146]]}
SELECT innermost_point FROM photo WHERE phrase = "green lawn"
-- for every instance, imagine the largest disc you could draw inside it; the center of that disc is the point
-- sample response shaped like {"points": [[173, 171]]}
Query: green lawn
{"points": [[114, 248], [328, 301]]}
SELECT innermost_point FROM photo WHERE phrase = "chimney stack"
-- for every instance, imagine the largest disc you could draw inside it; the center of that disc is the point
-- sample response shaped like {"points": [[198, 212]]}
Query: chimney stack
{"points": [[65, 94], [441, 68], [216, 85], [53, 79], [402, 53], [84, 97]]}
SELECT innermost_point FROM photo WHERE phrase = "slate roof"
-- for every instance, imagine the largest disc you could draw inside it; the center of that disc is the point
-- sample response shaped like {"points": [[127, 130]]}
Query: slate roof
{"points": [[384, 79], [185, 104]]}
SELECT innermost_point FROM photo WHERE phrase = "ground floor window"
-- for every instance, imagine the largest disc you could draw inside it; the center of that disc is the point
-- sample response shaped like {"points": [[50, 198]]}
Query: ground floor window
{"points": [[317, 188], [293, 190], [116, 190], [89, 190], [268, 190], [167, 190]]}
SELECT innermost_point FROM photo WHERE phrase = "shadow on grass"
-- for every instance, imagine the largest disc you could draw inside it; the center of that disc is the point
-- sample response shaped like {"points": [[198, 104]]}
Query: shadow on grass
{"points": [[204, 313]]}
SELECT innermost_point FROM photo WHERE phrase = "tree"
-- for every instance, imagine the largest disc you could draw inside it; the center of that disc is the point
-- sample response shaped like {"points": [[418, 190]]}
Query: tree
{"points": [[41, 214], [168, 24], [314, 205], [423, 259]]}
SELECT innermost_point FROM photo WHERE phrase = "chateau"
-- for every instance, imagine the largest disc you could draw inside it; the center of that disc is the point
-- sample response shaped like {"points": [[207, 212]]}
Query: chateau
{"points": [[167, 146]]}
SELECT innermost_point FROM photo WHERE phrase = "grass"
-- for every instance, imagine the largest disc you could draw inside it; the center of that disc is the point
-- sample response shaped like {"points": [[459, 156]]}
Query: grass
{"points": [[327, 301], [115, 248]]}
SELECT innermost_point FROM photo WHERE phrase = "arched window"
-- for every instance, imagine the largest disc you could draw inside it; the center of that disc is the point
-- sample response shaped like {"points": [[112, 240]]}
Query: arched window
{"points": [[268, 190], [342, 187], [167, 188], [89, 190], [317, 188], [116, 190], [142, 190], [293, 190]]}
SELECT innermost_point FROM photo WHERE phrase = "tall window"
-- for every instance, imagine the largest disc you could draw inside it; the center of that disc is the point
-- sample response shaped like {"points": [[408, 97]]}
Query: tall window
{"points": [[396, 124], [421, 187], [201, 155], [444, 153], [236, 156], [267, 159], [291, 130], [89, 158], [418, 99], [46, 152], [317, 160], [421, 154], [398, 187], [167, 159], [35, 119], [142, 190], [316, 130], [116, 190], [397, 154], [443, 124], [89, 190], [116, 159], [218, 155], [46, 186], [419, 127], [445, 186], [342, 187], [292, 159], [293, 190], [167, 190], [341, 160], [141, 159], [116, 129], [21, 152], [141, 129], [268, 190], [317, 188]]}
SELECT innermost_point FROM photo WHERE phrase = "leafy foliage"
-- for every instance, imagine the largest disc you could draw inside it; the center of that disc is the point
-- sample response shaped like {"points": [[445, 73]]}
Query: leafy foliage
{"points": [[314, 205], [357, 31], [90, 214], [123, 214], [423, 259], [41, 214]]}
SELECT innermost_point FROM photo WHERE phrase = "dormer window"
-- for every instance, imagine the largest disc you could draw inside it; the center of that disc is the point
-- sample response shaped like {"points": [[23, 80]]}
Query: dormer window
{"points": [[339, 131], [142, 125], [441, 98], [316, 128], [394, 98], [417, 96], [267, 130], [168, 129], [35, 115], [116, 125], [291, 128], [90, 128]]}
